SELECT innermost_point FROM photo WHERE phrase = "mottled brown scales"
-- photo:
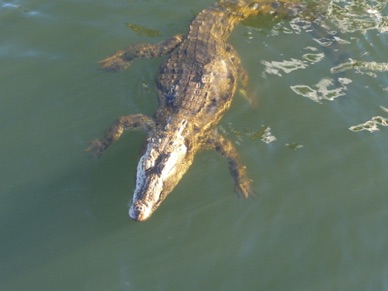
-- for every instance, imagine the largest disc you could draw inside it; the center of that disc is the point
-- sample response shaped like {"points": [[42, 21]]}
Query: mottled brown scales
{"points": [[195, 87]]}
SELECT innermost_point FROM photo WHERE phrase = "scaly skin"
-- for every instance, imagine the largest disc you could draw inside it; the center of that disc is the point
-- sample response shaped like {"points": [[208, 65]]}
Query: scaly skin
{"points": [[195, 87]]}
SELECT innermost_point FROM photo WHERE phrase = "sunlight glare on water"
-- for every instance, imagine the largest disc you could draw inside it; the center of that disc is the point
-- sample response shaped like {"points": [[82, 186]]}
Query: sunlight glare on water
{"points": [[313, 135]]}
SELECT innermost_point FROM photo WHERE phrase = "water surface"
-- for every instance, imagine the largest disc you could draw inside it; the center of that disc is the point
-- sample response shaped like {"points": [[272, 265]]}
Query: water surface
{"points": [[315, 145]]}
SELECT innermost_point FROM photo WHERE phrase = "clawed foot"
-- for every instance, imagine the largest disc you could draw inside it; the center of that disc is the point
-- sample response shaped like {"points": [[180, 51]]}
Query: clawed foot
{"points": [[96, 148], [114, 63], [299, 10], [287, 9], [250, 98], [244, 188]]}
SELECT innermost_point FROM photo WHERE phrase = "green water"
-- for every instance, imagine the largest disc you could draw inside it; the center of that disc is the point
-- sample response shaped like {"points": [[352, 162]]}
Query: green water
{"points": [[319, 220]]}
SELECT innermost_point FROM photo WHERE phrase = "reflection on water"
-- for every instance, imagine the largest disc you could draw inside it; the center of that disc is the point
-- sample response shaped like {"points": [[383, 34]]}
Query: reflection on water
{"points": [[9, 7], [373, 124], [320, 219], [361, 67], [334, 33], [352, 16], [322, 91], [288, 66]]}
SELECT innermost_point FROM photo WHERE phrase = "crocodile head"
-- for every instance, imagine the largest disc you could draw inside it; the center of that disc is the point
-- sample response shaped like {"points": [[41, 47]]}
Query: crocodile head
{"points": [[160, 169]]}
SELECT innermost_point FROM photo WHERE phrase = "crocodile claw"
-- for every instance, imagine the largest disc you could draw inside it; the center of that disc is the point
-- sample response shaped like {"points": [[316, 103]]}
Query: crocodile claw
{"points": [[95, 147], [114, 63], [243, 188]]}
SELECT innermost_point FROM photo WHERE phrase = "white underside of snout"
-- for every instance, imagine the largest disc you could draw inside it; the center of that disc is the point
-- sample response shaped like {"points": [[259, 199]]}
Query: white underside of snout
{"points": [[155, 167]]}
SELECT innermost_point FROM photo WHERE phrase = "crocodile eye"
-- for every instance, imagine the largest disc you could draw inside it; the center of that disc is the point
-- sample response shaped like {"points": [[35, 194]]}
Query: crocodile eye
{"points": [[147, 165], [159, 169], [161, 163]]}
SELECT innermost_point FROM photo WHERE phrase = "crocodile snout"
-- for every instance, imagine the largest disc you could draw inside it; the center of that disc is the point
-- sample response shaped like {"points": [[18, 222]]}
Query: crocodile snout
{"points": [[139, 211]]}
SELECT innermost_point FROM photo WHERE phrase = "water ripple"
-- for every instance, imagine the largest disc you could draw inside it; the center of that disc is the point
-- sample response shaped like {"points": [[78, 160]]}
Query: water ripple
{"points": [[360, 66], [352, 16], [15, 5], [321, 90], [371, 125], [288, 66]]}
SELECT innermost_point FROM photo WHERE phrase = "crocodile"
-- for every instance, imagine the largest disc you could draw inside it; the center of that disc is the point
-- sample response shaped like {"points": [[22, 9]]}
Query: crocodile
{"points": [[195, 87]]}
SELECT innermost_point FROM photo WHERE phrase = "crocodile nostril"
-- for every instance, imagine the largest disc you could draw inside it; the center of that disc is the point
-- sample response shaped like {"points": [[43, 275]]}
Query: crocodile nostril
{"points": [[139, 211], [139, 208]]}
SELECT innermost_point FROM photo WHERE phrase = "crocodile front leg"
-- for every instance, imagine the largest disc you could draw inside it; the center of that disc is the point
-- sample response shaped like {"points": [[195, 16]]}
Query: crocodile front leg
{"points": [[129, 122], [236, 168], [122, 59]]}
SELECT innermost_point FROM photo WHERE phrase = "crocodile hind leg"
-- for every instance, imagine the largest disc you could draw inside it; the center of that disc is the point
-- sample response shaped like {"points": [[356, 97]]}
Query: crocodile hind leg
{"points": [[243, 88], [243, 76], [280, 9], [128, 122], [236, 168], [123, 58]]}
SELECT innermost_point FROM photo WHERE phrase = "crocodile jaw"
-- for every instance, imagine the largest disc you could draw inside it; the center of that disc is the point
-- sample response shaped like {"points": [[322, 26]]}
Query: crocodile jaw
{"points": [[159, 170], [147, 196]]}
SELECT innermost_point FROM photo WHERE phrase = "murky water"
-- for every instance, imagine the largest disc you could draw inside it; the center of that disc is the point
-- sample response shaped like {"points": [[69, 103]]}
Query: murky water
{"points": [[315, 144]]}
